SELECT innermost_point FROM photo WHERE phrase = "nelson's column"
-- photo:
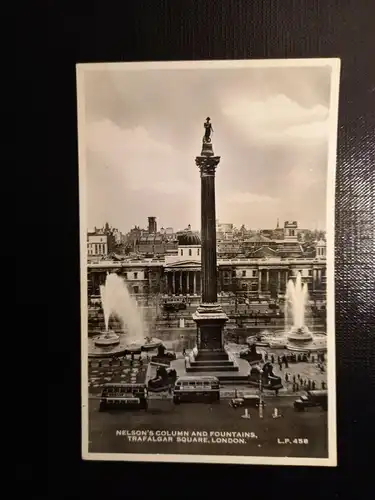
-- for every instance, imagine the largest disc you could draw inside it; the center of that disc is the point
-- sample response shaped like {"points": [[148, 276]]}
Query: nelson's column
{"points": [[210, 318]]}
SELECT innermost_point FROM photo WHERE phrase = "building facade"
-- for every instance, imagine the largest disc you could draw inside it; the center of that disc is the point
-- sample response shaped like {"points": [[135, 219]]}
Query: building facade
{"points": [[262, 275], [97, 245]]}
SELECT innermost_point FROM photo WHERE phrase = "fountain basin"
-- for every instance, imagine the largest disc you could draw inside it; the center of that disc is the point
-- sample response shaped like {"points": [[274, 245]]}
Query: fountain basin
{"points": [[122, 347], [151, 344], [109, 338], [315, 345], [302, 334], [291, 341]]}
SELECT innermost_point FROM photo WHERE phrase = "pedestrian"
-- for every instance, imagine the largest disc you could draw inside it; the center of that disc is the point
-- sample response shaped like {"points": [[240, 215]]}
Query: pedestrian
{"points": [[299, 377], [294, 379], [294, 387], [286, 377], [313, 385], [323, 385], [266, 357], [312, 359], [272, 358], [280, 365]]}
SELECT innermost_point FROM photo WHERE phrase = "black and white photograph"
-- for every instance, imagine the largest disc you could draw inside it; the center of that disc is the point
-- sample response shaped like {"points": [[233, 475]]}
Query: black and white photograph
{"points": [[207, 196]]}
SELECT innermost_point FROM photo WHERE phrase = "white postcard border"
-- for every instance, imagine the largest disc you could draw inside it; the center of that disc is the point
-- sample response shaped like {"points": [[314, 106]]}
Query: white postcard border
{"points": [[335, 64]]}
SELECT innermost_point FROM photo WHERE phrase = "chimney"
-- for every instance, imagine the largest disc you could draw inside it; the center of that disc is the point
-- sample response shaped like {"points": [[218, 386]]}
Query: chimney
{"points": [[152, 229]]}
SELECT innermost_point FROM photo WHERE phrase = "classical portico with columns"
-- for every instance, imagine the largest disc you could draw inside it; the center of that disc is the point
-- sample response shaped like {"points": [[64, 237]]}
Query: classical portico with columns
{"points": [[182, 272]]}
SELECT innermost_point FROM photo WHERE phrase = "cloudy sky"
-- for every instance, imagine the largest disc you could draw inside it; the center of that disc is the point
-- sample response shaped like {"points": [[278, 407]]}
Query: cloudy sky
{"points": [[144, 128]]}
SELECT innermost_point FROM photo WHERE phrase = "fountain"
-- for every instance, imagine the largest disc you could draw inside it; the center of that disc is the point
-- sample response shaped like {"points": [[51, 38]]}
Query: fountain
{"points": [[117, 302], [296, 301], [296, 336], [109, 337]]}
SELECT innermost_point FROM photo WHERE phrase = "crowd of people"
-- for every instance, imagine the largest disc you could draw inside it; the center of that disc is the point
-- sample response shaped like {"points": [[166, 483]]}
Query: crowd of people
{"points": [[295, 381]]}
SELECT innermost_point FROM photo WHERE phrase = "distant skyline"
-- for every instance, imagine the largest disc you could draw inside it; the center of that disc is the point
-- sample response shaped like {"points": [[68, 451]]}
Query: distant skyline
{"points": [[195, 229], [144, 128]]}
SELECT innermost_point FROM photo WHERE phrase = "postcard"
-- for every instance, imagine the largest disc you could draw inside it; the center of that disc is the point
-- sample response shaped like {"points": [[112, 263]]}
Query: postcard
{"points": [[207, 194]]}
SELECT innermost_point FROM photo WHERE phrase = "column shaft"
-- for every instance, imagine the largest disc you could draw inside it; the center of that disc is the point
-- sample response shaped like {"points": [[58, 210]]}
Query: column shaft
{"points": [[208, 223]]}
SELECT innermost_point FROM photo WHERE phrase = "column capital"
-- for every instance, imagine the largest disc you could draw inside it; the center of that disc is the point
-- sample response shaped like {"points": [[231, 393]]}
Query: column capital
{"points": [[207, 165]]}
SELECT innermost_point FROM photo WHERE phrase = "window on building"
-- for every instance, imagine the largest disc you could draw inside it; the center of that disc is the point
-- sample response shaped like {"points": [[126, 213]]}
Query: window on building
{"points": [[310, 272], [243, 273], [198, 250], [190, 252], [233, 274], [182, 252], [136, 289], [126, 276], [135, 276], [254, 274]]}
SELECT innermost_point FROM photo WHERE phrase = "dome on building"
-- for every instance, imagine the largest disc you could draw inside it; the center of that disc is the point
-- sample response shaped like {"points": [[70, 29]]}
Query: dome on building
{"points": [[188, 238]]}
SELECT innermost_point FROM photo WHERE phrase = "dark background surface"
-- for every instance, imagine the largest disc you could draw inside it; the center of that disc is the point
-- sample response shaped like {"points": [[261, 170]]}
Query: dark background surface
{"points": [[191, 30]]}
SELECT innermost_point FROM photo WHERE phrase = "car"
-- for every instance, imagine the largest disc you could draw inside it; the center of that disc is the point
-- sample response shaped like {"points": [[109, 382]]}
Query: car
{"points": [[247, 401], [174, 306], [312, 399]]}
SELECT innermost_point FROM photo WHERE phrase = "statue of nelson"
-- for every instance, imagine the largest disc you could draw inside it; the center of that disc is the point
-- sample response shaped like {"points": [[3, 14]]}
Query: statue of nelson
{"points": [[207, 130]]}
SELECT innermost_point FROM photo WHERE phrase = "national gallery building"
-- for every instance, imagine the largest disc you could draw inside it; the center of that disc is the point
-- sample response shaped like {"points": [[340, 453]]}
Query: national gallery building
{"points": [[264, 274]]}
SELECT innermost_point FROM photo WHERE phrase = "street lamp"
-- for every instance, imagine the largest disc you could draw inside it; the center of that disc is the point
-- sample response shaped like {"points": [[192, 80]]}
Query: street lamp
{"points": [[156, 301], [260, 394]]}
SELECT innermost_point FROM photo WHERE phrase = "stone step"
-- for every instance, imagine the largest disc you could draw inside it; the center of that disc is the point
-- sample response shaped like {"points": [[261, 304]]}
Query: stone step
{"points": [[212, 368], [211, 362], [211, 355]]}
